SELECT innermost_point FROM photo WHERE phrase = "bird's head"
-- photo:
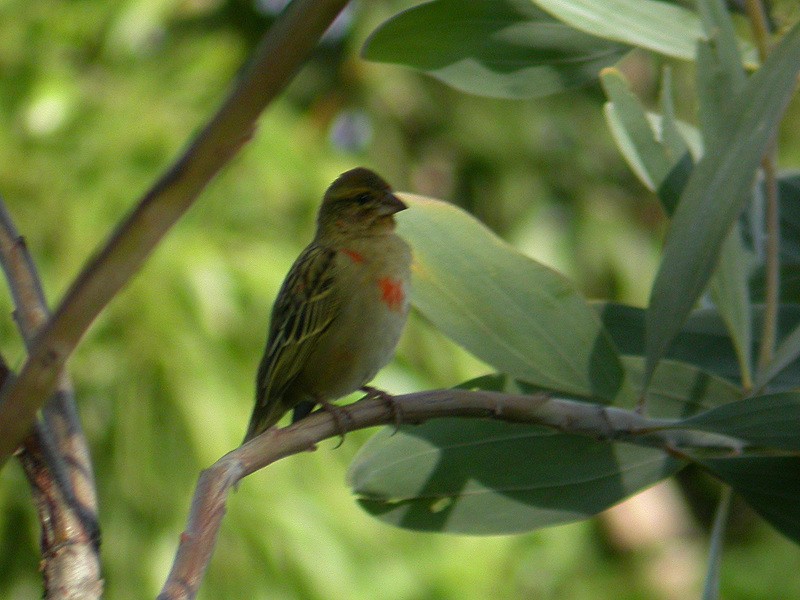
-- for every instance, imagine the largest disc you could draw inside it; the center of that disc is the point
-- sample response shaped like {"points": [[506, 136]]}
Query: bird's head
{"points": [[359, 202]]}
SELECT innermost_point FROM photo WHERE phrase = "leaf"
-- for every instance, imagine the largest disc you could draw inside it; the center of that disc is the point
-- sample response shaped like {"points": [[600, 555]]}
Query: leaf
{"points": [[711, 586], [651, 159], [664, 28], [789, 197], [633, 132], [498, 48], [789, 209], [703, 341], [769, 484], [508, 310], [720, 78], [486, 477], [720, 75], [731, 294], [769, 422], [671, 137], [787, 352], [444, 476], [678, 390], [715, 194]]}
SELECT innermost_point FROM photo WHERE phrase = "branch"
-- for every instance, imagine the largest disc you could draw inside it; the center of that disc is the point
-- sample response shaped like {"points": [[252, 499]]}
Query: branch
{"points": [[56, 457], [281, 52], [601, 422]]}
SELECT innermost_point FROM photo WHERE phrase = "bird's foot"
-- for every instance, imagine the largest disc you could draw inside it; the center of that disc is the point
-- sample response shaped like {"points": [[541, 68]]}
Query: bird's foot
{"points": [[388, 400], [339, 415]]}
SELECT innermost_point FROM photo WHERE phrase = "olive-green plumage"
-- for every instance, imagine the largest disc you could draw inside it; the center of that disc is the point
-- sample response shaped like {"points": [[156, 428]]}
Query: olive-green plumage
{"points": [[341, 309]]}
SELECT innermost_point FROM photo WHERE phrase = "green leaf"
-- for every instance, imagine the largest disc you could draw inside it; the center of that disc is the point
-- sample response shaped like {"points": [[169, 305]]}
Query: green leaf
{"points": [[789, 210], [671, 137], [715, 194], [720, 75], [678, 390], [768, 422], [485, 477], [730, 292], [444, 475], [656, 147], [703, 340], [670, 190], [711, 586], [769, 484], [498, 48], [720, 78], [787, 353], [632, 131], [508, 310], [664, 28], [789, 198]]}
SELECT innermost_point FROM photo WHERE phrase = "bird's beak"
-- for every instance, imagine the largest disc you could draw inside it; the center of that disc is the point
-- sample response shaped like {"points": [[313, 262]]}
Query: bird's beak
{"points": [[392, 204]]}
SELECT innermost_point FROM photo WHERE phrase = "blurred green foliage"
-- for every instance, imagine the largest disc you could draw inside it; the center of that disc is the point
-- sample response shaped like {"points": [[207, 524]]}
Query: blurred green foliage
{"points": [[96, 98]]}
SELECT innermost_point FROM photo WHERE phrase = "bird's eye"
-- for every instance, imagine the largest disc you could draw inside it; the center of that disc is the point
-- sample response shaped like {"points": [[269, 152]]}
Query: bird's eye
{"points": [[363, 198]]}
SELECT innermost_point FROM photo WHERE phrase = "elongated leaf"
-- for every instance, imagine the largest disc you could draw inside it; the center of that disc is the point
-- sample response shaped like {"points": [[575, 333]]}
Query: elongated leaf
{"points": [[703, 341], [656, 147], [769, 422], [789, 209], [679, 389], [508, 310], [633, 132], [671, 137], [731, 294], [715, 195], [720, 75], [720, 78], [789, 197], [664, 28], [499, 48], [711, 586], [770, 484], [485, 477], [788, 352]]}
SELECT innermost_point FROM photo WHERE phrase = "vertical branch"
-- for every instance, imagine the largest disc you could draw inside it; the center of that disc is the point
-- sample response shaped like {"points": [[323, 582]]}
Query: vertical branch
{"points": [[282, 50], [772, 260], [759, 25], [69, 535], [55, 457]]}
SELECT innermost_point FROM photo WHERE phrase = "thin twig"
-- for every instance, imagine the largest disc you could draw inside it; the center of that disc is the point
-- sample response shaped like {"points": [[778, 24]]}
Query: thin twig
{"points": [[604, 423], [283, 49], [772, 261], [55, 457], [759, 26]]}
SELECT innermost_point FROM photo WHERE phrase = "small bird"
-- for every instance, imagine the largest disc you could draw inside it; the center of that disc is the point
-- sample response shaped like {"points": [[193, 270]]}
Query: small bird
{"points": [[342, 307]]}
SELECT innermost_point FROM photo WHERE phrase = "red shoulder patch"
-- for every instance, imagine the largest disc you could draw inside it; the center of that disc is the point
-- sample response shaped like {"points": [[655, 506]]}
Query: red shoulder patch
{"points": [[356, 257], [392, 294]]}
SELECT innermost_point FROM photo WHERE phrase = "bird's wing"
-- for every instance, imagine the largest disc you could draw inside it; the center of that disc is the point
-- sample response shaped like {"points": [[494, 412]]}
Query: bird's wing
{"points": [[305, 308]]}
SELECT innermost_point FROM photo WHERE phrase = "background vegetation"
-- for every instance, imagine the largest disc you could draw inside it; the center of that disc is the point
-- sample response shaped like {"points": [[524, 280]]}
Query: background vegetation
{"points": [[97, 97]]}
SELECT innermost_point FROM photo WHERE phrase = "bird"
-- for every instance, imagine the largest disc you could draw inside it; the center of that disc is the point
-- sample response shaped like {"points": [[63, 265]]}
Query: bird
{"points": [[342, 307]]}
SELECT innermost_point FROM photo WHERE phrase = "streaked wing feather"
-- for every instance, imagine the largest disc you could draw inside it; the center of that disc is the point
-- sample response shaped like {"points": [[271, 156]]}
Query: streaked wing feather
{"points": [[305, 308]]}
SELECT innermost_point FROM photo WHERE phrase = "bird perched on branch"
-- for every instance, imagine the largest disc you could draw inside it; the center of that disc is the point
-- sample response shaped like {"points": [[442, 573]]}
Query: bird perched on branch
{"points": [[342, 307]]}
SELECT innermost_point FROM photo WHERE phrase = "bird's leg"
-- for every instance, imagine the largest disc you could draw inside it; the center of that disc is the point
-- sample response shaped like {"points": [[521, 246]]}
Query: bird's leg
{"points": [[388, 400], [336, 413]]}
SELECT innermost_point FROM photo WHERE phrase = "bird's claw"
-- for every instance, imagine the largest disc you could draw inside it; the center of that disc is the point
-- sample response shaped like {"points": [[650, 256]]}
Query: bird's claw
{"points": [[389, 401], [336, 413]]}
